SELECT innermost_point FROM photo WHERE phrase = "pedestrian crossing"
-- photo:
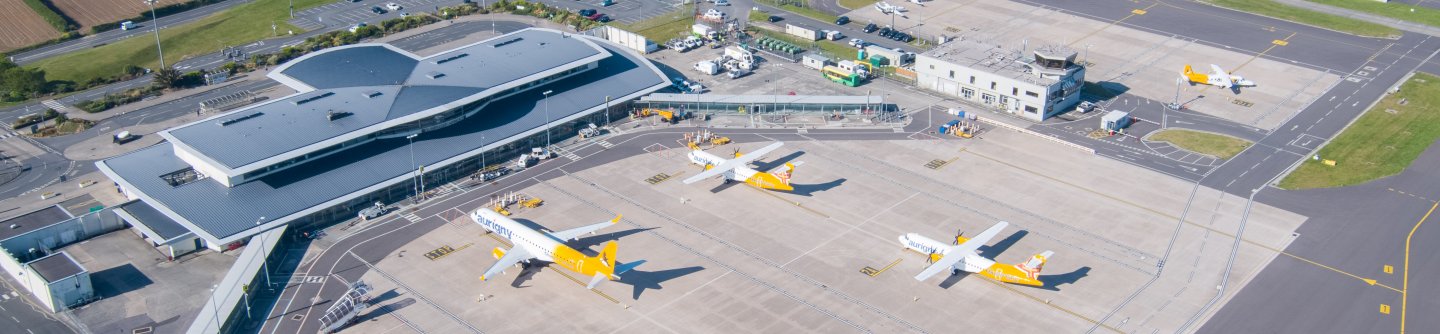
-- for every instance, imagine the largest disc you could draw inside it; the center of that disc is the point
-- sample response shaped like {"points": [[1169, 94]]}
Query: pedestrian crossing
{"points": [[604, 144], [411, 216], [52, 104]]}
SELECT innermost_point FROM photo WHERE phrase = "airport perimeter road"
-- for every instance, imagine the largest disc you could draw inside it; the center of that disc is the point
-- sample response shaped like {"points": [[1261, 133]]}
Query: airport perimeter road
{"points": [[376, 241], [1308, 46], [111, 36]]}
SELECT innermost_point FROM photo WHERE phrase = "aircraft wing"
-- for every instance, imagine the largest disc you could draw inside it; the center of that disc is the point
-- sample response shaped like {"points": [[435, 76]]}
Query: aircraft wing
{"points": [[733, 163], [512, 256], [573, 233], [1217, 72], [959, 252]]}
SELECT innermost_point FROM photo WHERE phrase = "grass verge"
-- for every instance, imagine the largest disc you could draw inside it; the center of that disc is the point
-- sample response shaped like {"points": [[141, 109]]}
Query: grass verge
{"points": [[1400, 11], [662, 28], [1379, 144], [60, 23], [856, 4], [1221, 146], [1290, 13], [242, 24]]}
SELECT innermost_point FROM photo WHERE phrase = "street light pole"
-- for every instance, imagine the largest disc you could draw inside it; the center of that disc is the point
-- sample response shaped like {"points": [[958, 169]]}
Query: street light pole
{"points": [[215, 305], [607, 110], [263, 266], [155, 26], [413, 185], [547, 120], [292, 9]]}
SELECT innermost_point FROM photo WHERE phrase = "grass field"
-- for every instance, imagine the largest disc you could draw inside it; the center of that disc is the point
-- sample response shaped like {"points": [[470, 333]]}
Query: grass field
{"points": [[92, 12], [856, 4], [239, 25], [1285, 12], [1220, 146], [1420, 14], [662, 28], [1380, 143], [23, 27]]}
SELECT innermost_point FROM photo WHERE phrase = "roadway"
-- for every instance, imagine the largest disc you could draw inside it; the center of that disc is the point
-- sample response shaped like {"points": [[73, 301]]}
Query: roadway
{"points": [[15, 304], [90, 41]]}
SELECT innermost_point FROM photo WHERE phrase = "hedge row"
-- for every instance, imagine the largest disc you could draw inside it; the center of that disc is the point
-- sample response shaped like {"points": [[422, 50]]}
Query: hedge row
{"points": [[51, 16]]}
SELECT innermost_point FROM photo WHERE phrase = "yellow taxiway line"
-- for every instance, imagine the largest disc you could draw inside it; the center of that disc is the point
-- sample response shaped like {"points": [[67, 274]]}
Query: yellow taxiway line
{"points": [[1405, 276]]}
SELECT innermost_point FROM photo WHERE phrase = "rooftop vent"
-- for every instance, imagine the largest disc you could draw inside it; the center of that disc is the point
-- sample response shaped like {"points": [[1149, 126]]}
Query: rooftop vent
{"points": [[372, 94], [434, 75], [313, 98], [507, 42], [240, 119], [448, 59], [334, 115]]}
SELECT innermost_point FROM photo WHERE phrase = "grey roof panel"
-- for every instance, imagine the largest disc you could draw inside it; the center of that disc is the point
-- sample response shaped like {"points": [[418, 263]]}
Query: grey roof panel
{"points": [[366, 65], [412, 99], [760, 99], [56, 266], [33, 220], [160, 223], [350, 72], [224, 212]]}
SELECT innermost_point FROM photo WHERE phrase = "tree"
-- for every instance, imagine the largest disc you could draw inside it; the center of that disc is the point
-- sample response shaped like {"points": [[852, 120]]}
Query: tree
{"points": [[22, 81], [167, 77]]}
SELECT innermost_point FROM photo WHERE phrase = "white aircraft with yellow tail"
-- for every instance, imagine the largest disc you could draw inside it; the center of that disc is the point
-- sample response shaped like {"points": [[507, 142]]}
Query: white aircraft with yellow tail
{"points": [[961, 256], [738, 169], [1217, 77], [530, 244]]}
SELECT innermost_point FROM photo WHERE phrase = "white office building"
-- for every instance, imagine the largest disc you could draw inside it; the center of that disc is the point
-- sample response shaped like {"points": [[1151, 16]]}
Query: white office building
{"points": [[1036, 86]]}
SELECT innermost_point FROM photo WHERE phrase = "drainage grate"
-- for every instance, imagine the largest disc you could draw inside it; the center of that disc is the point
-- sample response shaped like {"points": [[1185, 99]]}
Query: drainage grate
{"points": [[143, 330], [297, 317]]}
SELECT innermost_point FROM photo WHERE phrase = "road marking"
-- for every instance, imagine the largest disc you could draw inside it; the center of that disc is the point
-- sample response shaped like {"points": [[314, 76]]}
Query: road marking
{"points": [[1405, 280], [1388, 269], [1048, 303], [1133, 13]]}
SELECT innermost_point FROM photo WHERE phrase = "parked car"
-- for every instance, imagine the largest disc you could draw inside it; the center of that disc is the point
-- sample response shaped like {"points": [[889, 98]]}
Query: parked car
{"points": [[857, 43], [774, 18], [722, 2], [884, 32], [357, 27], [377, 10], [603, 18], [869, 28], [393, 6], [840, 21], [587, 12]]}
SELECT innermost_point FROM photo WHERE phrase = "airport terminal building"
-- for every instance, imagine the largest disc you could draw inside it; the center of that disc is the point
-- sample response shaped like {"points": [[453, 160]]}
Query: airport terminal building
{"points": [[364, 119], [1034, 87]]}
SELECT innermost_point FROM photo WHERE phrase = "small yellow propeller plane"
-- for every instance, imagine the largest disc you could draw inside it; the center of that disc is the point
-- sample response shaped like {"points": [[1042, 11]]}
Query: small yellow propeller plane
{"points": [[961, 256]]}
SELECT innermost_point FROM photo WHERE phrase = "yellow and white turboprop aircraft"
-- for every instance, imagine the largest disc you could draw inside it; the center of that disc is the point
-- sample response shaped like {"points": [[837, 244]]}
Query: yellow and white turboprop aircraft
{"points": [[961, 256], [737, 169], [1217, 77], [531, 244]]}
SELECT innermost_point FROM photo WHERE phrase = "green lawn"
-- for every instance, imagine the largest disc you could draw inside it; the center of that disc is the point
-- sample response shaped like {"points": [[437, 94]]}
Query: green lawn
{"points": [[1220, 146], [242, 24], [856, 4], [1285, 12], [662, 28], [1421, 14], [1380, 143]]}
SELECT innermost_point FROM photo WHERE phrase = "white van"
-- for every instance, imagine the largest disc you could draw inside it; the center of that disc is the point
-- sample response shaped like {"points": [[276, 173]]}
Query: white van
{"points": [[127, 25]]}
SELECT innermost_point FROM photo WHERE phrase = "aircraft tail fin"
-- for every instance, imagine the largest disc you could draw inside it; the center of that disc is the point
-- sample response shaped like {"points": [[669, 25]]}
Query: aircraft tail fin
{"points": [[1027, 273], [1037, 262], [1188, 70]]}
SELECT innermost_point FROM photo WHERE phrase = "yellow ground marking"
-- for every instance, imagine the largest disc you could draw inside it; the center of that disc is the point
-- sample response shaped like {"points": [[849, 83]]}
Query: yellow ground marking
{"points": [[887, 267], [1007, 286], [797, 204], [1211, 229], [1385, 309], [1133, 13], [947, 163], [1388, 269], [1280, 42], [1405, 280], [557, 269]]}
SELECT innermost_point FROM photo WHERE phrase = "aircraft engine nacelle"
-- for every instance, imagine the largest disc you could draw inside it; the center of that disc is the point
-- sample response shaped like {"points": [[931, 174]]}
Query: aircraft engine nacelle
{"points": [[498, 253]]}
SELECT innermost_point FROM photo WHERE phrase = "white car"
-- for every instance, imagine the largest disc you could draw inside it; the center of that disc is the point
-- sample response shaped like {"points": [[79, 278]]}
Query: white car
{"points": [[857, 43], [393, 6], [722, 2]]}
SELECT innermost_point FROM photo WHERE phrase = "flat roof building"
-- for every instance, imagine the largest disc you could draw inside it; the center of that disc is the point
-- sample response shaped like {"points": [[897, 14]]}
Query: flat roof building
{"points": [[345, 140], [1035, 86]]}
